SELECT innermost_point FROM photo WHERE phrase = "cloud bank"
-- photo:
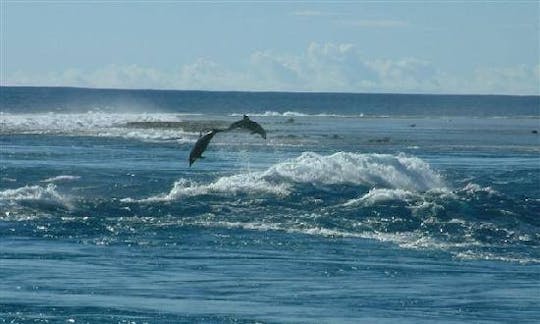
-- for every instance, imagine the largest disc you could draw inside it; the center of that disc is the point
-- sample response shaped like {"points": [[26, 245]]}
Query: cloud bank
{"points": [[324, 67]]}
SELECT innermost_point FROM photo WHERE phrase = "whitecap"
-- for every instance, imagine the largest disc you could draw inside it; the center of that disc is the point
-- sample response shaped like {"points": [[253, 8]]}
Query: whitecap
{"points": [[98, 124], [473, 188], [61, 178], [46, 194], [242, 183], [376, 195], [270, 113], [375, 170]]}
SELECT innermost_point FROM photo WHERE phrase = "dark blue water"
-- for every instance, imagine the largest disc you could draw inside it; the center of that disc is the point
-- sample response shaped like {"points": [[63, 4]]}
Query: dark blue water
{"points": [[64, 100], [357, 208]]}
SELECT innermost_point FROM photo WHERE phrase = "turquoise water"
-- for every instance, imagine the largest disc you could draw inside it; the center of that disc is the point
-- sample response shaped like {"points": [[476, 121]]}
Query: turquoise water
{"points": [[346, 213]]}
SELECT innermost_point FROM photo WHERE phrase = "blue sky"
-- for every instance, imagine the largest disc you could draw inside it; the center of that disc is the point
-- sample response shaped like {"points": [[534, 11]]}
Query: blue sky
{"points": [[402, 47]]}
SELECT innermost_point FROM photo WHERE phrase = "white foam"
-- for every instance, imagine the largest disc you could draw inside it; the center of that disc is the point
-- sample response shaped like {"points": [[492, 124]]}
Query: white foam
{"points": [[92, 124], [473, 188], [376, 195], [375, 170], [480, 255], [61, 178], [282, 227], [270, 113], [46, 194], [409, 240], [243, 183]]}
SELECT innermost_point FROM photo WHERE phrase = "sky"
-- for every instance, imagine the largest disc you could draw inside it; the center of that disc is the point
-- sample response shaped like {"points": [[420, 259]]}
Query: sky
{"points": [[458, 47]]}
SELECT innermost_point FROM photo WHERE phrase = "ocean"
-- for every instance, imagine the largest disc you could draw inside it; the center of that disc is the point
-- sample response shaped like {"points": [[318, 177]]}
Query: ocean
{"points": [[372, 208]]}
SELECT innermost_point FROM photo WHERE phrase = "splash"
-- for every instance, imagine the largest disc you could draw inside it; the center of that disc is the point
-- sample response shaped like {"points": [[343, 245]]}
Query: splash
{"points": [[249, 183], [376, 170], [270, 113], [48, 195], [375, 196], [401, 172], [61, 178], [99, 124]]}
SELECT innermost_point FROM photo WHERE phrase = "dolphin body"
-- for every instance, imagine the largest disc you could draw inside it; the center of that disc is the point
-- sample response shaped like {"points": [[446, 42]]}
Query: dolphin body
{"points": [[203, 141], [201, 145], [250, 125]]}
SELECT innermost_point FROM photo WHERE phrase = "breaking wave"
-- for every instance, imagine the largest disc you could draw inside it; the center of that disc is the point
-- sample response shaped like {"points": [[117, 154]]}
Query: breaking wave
{"points": [[98, 124], [397, 199], [393, 198], [342, 168], [61, 178], [270, 113], [39, 194]]}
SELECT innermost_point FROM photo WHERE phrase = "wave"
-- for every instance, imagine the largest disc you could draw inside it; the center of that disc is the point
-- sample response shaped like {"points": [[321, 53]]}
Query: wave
{"points": [[249, 183], [61, 178], [97, 124], [399, 199], [377, 195], [472, 189], [48, 195], [377, 170], [372, 170], [269, 113], [467, 246]]}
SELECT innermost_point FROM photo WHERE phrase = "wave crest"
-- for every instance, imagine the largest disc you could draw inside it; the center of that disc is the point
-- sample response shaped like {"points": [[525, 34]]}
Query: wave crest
{"points": [[374, 170], [250, 183], [97, 124], [47, 195], [270, 113]]}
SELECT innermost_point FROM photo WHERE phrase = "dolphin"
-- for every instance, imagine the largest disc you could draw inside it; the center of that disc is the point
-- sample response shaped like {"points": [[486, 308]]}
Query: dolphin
{"points": [[201, 145], [248, 124]]}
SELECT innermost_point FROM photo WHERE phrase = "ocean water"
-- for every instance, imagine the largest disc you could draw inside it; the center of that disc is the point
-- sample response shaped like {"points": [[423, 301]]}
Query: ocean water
{"points": [[356, 208]]}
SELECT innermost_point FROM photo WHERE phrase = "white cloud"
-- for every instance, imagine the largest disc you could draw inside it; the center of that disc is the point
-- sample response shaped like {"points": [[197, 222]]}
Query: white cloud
{"points": [[321, 67], [375, 23], [267, 67], [514, 79], [408, 74], [205, 74], [308, 13], [130, 76], [314, 13]]}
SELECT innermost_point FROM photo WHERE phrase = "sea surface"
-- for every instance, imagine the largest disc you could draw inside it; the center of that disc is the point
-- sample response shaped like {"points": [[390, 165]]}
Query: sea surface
{"points": [[372, 208]]}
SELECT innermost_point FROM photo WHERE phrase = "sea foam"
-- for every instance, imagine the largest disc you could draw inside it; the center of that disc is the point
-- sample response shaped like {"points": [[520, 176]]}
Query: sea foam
{"points": [[270, 113], [61, 178], [98, 124], [47, 194], [402, 172]]}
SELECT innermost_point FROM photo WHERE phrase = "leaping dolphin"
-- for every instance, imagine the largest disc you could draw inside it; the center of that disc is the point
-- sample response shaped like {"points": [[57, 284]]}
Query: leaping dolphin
{"points": [[203, 141], [248, 124], [201, 145]]}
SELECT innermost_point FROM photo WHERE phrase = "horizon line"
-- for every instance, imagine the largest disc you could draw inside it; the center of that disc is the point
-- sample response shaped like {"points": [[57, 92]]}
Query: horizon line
{"points": [[273, 91]]}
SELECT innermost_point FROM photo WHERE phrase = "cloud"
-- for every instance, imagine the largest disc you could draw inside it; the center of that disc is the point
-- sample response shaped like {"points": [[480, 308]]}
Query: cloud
{"points": [[407, 74], [308, 13], [267, 67], [314, 13], [320, 67], [342, 19], [375, 23], [110, 76], [340, 67], [206, 74], [513, 79]]}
